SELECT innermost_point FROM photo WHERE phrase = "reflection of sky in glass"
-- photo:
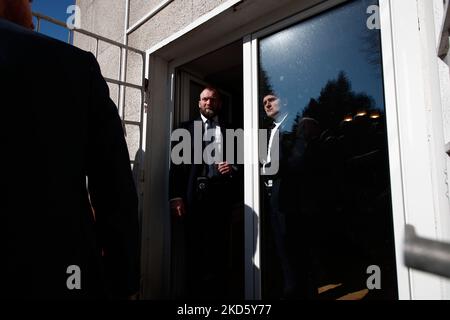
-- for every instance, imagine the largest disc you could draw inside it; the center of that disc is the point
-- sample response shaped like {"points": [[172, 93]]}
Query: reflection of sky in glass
{"points": [[300, 60]]}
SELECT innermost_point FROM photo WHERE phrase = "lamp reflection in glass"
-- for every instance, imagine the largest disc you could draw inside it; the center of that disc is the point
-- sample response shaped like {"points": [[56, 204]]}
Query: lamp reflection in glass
{"points": [[348, 118], [375, 115], [361, 113]]}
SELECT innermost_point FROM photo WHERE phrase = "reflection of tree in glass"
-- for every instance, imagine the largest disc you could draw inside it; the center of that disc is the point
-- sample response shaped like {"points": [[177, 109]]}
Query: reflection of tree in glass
{"points": [[348, 193], [264, 81], [337, 103], [341, 114], [371, 46]]}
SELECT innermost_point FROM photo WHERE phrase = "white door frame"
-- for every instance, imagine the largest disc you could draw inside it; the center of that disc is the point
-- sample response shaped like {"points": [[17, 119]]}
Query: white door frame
{"points": [[406, 75], [411, 185]]}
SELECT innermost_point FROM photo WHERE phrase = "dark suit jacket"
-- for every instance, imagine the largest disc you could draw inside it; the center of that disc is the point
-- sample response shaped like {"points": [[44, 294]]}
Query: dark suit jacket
{"points": [[59, 129], [295, 173], [183, 177], [292, 205]]}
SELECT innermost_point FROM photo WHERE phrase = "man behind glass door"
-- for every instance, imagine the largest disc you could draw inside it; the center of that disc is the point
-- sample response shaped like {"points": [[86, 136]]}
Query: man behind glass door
{"points": [[287, 194]]}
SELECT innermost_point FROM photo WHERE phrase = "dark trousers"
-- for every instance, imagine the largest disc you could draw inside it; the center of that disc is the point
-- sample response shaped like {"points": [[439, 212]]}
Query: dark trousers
{"points": [[292, 235], [208, 245]]}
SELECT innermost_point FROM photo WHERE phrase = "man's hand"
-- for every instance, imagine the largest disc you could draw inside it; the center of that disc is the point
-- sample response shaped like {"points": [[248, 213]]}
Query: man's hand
{"points": [[224, 168], [177, 207], [134, 296]]}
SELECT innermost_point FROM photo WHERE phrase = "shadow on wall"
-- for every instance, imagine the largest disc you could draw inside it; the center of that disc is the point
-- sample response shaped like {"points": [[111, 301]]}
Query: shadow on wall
{"points": [[138, 170]]}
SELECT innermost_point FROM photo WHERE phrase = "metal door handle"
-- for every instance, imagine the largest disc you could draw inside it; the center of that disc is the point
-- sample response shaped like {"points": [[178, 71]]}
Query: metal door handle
{"points": [[425, 254]]}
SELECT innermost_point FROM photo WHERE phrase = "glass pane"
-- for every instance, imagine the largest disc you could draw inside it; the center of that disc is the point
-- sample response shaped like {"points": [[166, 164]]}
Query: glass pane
{"points": [[327, 230]]}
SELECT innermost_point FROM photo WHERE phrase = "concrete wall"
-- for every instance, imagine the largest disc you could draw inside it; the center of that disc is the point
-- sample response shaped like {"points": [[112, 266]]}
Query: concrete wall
{"points": [[177, 15], [139, 8], [107, 18]]}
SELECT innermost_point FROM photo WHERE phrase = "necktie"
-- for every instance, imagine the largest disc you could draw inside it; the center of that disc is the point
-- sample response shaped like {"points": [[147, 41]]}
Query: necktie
{"points": [[210, 169]]}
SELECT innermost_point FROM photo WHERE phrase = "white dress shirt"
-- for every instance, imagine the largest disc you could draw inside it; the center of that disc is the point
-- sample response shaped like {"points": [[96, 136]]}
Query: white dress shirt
{"points": [[272, 135], [217, 134]]}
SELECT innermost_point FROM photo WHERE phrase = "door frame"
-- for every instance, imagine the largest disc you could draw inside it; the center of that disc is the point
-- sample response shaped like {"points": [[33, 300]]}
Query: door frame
{"points": [[407, 84], [411, 185]]}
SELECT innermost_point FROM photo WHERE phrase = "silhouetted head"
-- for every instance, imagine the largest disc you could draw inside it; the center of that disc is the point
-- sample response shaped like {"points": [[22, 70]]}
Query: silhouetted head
{"points": [[18, 12]]}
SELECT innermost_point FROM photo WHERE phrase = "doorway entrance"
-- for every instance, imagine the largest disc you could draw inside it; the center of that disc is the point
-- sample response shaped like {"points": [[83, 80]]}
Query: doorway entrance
{"points": [[318, 60], [223, 70]]}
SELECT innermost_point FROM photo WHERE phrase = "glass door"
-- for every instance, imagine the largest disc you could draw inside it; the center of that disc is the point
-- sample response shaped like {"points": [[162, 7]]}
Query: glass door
{"points": [[324, 225]]}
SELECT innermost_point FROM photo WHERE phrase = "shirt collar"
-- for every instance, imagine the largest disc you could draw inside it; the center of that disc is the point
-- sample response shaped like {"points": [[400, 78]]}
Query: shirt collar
{"points": [[204, 119], [280, 121]]}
